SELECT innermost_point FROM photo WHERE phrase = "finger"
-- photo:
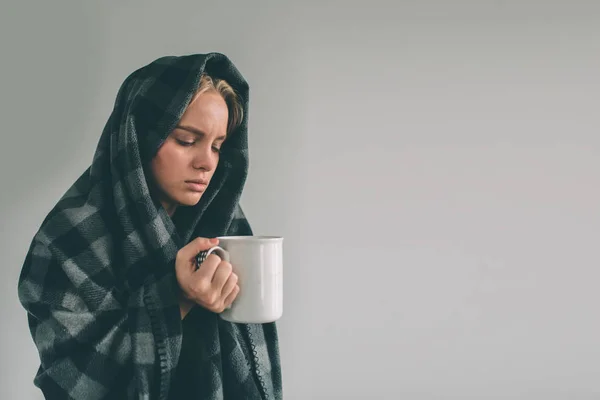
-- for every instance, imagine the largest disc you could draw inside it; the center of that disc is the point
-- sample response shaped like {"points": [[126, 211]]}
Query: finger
{"points": [[208, 268], [191, 250], [231, 297], [229, 285], [221, 276]]}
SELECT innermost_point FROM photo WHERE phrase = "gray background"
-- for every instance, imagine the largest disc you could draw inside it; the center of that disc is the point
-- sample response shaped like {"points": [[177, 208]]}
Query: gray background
{"points": [[434, 169]]}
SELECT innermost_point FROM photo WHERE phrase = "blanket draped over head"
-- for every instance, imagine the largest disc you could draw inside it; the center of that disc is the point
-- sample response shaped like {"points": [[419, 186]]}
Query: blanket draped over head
{"points": [[98, 281]]}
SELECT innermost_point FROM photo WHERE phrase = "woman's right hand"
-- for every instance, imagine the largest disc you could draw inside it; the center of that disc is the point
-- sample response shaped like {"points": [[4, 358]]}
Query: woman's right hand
{"points": [[213, 285]]}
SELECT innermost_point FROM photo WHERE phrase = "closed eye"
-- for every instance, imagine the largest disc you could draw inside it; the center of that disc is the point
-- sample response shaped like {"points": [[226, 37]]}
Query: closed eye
{"points": [[184, 143]]}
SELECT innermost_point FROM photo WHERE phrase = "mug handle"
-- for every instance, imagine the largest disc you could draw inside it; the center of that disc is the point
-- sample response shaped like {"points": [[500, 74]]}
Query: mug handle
{"points": [[221, 252], [217, 250]]}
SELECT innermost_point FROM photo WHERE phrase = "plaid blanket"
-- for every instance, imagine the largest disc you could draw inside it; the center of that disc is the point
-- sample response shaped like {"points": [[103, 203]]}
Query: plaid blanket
{"points": [[98, 281]]}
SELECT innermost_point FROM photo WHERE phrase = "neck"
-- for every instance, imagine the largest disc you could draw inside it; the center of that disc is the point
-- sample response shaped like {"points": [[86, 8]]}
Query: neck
{"points": [[170, 207]]}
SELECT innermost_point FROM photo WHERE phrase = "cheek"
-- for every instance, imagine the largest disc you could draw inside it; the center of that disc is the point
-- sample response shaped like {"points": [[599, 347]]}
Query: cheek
{"points": [[158, 172], [168, 167]]}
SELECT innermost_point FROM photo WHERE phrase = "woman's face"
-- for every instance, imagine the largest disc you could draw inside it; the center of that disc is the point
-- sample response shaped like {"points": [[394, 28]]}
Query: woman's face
{"points": [[186, 162]]}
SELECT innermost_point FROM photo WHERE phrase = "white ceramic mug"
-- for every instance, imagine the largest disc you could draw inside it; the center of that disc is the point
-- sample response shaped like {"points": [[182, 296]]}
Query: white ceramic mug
{"points": [[258, 263]]}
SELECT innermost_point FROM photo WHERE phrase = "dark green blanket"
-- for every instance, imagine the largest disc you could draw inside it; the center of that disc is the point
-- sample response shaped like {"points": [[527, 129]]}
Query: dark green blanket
{"points": [[98, 281]]}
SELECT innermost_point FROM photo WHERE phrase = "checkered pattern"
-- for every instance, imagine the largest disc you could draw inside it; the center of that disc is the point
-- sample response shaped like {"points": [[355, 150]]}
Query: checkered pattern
{"points": [[98, 280]]}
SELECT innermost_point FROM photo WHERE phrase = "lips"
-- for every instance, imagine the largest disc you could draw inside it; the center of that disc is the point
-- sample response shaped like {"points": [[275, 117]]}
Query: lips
{"points": [[197, 185], [198, 181]]}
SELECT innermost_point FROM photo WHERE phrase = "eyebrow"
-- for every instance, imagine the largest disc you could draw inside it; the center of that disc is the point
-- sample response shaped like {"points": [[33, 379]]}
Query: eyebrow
{"points": [[196, 131]]}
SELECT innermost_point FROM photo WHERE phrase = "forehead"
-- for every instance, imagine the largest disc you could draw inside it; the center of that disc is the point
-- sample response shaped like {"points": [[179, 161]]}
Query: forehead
{"points": [[208, 112]]}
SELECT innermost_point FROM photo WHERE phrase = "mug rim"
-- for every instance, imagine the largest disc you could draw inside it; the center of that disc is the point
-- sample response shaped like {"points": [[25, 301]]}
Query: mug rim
{"points": [[259, 238]]}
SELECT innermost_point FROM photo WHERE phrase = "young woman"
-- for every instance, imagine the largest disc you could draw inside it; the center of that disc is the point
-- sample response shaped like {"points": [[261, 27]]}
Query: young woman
{"points": [[116, 304]]}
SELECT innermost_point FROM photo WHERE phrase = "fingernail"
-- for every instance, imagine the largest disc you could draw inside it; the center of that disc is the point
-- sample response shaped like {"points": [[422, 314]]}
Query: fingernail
{"points": [[214, 240]]}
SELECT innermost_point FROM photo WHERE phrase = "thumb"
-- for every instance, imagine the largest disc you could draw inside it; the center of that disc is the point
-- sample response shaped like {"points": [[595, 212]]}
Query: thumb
{"points": [[196, 246]]}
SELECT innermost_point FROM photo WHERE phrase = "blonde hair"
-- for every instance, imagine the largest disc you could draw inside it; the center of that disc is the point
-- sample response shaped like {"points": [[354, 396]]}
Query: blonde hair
{"points": [[221, 86]]}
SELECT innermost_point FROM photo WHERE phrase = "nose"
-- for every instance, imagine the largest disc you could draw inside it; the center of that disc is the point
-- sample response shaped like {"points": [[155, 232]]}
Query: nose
{"points": [[204, 159]]}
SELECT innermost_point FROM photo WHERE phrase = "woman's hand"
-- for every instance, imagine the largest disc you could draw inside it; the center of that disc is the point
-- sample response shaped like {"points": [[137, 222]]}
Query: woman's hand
{"points": [[213, 286]]}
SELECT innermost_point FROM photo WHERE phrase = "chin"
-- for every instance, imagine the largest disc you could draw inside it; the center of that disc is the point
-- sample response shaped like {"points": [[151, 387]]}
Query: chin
{"points": [[189, 199]]}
